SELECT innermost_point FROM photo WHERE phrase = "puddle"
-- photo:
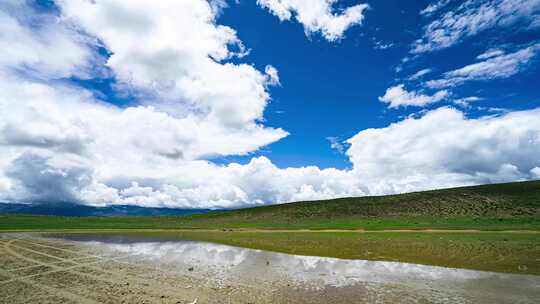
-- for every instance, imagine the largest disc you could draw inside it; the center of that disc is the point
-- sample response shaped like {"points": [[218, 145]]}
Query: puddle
{"points": [[224, 265]]}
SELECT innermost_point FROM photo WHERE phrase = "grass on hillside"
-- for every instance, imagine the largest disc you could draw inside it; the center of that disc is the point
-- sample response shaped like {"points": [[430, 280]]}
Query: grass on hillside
{"points": [[511, 206]]}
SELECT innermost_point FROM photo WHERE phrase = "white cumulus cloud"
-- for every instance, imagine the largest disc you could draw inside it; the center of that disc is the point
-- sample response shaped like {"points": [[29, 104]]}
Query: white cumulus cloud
{"points": [[38, 47], [398, 96], [317, 15], [535, 172], [444, 148]]}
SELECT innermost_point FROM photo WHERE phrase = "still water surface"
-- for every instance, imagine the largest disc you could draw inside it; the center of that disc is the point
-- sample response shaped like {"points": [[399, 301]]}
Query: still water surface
{"points": [[227, 265]]}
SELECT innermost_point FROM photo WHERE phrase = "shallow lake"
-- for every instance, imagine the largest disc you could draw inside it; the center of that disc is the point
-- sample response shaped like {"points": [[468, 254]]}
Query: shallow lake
{"points": [[311, 279]]}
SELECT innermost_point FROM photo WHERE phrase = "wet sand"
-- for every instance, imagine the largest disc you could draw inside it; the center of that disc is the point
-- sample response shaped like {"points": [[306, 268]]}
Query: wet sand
{"points": [[116, 269]]}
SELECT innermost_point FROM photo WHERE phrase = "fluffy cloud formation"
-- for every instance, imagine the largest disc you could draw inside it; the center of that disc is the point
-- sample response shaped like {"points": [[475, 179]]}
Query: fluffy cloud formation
{"points": [[193, 104], [444, 148], [176, 58], [473, 17], [398, 96], [536, 172], [37, 48], [72, 121], [496, 65], [317, 15]]}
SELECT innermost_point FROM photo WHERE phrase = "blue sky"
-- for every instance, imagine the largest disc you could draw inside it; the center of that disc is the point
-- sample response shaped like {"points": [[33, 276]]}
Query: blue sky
{"points": [[236, 103], [332, 89]]}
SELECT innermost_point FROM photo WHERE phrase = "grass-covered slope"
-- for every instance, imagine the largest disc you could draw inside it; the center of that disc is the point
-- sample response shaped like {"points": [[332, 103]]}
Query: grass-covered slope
{"points": [[500, 202], [488, 207]]}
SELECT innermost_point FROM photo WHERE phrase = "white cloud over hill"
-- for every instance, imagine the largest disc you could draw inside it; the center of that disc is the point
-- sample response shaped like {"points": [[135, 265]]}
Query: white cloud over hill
{"points": [[445, 148]]}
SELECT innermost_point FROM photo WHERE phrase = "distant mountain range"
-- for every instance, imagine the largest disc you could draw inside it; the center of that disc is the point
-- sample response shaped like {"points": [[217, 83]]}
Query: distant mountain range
{"points": [[64, 209]]}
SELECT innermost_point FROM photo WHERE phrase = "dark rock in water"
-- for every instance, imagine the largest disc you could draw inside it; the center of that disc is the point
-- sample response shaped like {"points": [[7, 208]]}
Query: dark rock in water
{"points": [[190, 269]]}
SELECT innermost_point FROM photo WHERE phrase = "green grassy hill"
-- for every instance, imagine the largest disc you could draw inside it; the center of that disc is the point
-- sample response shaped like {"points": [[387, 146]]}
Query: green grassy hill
{"points": [[488, 207]]}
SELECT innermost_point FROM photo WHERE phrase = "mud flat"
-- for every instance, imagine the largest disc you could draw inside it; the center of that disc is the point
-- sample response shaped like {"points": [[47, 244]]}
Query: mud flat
{"points": [[139, 269]]}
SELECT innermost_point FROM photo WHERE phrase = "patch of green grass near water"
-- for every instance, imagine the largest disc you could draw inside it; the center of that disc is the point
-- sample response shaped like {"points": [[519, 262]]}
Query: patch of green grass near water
{"points": [[30, 222]]}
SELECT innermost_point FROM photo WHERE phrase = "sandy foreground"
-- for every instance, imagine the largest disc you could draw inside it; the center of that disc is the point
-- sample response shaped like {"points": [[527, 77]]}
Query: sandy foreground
{"points": [[34, 269]]}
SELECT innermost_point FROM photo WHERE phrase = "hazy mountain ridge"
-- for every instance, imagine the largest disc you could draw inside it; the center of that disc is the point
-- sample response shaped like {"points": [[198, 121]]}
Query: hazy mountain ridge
{"points": [[64, 209]]}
